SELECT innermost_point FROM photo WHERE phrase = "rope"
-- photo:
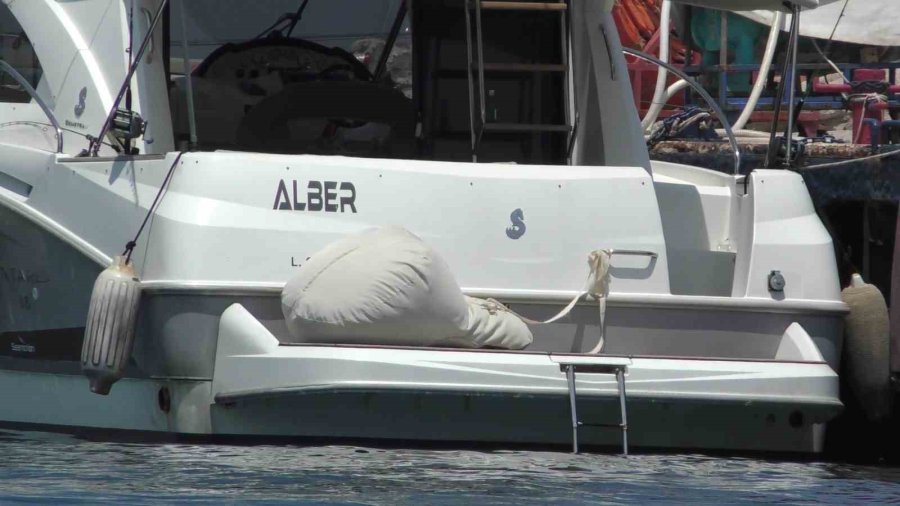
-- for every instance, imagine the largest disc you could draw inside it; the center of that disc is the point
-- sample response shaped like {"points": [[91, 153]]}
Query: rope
{"points": [[865, 98], [596, 285], [675, 124], [848, 162], [130, 245]]}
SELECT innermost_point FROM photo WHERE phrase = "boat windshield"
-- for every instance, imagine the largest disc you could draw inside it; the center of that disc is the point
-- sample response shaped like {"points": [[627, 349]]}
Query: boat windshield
{"points": [[350, 25], [17, 51], [269, 75], [379, 78]]}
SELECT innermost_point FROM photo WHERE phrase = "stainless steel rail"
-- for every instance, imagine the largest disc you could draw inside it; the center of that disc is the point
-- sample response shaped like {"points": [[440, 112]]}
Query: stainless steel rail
{"points": [[633, 252], [619, 371], [703, 94], [6, 67]]}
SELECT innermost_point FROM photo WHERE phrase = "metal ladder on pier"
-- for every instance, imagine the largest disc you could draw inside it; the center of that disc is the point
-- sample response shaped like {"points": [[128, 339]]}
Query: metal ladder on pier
{"points": [[479, 122], [619, 370]]}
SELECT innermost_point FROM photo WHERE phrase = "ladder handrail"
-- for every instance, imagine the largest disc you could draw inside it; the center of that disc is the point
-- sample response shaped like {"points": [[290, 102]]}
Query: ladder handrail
{"points": [[480, 53], [469, 64], [619, 370]]}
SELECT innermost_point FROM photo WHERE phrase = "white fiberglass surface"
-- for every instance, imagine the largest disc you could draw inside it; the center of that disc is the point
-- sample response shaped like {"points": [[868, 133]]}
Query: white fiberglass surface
{"points": [[749, 5]]}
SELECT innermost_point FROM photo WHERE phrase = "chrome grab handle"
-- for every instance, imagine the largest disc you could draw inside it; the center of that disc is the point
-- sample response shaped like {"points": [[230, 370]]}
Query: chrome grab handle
{"points": [[633, 252], [31, 91]]}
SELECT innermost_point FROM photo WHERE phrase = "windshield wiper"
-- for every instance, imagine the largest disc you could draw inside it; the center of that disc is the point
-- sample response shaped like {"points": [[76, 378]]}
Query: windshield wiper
{"points": [[297, 17], [293, 18]]}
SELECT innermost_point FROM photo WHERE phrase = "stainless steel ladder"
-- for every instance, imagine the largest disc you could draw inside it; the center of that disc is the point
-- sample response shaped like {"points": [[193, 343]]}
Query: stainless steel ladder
{"points": [[479, 123], [619, 371]]}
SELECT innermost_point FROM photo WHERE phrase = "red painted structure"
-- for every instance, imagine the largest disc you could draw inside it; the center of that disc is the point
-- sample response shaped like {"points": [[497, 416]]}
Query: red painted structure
{"points": [[867, 101], [638, 23]]}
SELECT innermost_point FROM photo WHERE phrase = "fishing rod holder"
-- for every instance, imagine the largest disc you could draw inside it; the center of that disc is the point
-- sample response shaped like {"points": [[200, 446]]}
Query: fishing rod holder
{"points": [[122, 122]]}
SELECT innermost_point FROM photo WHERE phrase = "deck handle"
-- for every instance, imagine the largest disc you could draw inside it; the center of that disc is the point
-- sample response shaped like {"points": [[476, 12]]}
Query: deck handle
{"points": [[634, 252]]}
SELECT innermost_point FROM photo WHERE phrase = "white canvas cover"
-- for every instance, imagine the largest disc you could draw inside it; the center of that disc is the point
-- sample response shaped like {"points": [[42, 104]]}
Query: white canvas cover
{"points": [[869, 22], [386, 286], [749, 5]]}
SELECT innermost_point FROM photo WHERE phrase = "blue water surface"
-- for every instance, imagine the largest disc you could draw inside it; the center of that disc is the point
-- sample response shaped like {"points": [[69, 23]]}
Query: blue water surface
{"points": [[51, 468]]}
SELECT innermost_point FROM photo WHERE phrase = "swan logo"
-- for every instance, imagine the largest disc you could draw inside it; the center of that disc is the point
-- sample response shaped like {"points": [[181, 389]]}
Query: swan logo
{"points": [[517, 229], [79, 107]]}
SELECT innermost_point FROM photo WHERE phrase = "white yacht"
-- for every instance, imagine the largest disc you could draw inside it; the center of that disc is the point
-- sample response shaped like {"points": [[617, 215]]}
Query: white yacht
{"points": [[231, 142]]}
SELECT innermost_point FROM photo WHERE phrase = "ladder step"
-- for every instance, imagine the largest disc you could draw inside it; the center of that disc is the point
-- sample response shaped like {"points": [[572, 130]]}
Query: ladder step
{"points": [[525, 127], [524, 67], [601, 425], [524, 6]]}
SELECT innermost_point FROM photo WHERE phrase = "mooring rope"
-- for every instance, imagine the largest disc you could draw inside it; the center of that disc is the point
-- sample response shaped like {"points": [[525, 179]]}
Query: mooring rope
{"points": [[854, 160]]}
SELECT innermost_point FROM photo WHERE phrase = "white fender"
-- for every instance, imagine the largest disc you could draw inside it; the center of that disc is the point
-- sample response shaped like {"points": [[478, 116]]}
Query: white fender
{"points": [[109, 333], [867, 348]]}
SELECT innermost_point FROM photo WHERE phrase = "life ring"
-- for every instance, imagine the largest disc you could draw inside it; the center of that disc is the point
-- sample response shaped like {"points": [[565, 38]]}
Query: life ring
{"points": [[867, 349]]}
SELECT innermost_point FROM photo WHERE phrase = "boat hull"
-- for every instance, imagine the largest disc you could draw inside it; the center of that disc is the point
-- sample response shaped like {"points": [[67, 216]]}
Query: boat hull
{"points": [[684, 408]]}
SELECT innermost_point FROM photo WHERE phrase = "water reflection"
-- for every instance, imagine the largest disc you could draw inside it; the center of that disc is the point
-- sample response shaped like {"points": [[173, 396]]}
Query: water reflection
{"points": [[52, 468]]}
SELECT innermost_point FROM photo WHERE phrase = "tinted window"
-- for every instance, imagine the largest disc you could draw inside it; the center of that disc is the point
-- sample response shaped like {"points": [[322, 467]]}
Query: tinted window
{"points": [[16, 50]]}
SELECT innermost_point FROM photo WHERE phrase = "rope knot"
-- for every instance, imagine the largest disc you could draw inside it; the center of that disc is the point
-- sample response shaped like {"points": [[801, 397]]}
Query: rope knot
{"points": [[493, 306], [598, 279]]}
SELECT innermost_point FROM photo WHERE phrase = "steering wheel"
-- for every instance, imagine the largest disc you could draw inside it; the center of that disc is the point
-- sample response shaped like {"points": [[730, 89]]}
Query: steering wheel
{"points": [[346, 61], [348, 104], [328, 71]]}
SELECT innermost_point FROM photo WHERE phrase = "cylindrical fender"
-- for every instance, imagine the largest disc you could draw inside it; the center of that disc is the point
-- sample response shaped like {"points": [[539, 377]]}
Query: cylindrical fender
{"points": [[867, 349], [109, 333], [640, 18], [628, 33], [895, 305]]}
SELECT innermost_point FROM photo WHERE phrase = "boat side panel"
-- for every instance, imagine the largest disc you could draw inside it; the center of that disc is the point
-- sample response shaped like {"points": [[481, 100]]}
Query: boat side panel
{"points": [[790, 238], [545, 420], [465, 396], [45, 289], [244, 217], [133, 404]]}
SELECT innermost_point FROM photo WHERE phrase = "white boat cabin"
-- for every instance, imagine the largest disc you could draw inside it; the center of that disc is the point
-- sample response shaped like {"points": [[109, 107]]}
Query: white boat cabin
{"points": [[384, 78]]}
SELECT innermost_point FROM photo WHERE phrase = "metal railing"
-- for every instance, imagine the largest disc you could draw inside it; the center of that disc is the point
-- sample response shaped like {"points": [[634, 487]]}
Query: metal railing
{"points": [[6, 67], [633, 252], [703, 94]]}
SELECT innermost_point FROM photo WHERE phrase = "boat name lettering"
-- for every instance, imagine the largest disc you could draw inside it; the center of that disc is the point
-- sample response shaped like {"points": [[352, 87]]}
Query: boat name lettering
{"points": [[75, 124], [324, 196], [22, 347], [16, 276]]}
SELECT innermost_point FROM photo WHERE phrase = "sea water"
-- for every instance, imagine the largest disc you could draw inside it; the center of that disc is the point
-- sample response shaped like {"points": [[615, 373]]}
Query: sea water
{"points": [[51, 468]]}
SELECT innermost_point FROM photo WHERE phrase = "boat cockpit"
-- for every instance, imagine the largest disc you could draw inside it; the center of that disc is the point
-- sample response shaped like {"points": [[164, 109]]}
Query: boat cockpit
{"points": [[314, 77]]}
